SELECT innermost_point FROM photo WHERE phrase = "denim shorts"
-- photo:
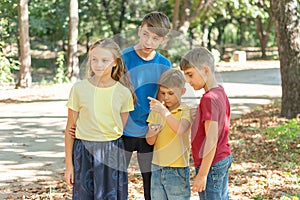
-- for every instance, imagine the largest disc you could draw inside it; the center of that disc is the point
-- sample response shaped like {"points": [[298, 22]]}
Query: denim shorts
{"points": [[170, 183], [217, 181]]}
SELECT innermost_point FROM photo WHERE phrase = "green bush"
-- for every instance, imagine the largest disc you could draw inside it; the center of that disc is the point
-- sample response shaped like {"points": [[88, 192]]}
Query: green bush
{"points": [[6, 66], [60, 72]]}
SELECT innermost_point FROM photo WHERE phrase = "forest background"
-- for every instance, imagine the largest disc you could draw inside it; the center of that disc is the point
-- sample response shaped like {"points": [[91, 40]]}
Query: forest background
{"points": [[45, 42]]}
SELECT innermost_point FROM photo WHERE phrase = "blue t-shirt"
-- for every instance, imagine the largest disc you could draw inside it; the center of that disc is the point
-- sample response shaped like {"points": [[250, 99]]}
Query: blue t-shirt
{"points": [[144, 76]]}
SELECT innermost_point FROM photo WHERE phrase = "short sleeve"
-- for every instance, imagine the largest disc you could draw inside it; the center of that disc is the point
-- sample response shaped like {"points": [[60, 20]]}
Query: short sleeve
{"points": [[209, 109], [186, 114], [73, 101], [128, 103]]}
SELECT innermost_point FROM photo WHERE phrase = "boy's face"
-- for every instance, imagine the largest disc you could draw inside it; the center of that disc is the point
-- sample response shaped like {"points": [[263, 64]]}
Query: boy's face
{"points": [[149, 41], [195, 77], [171, 96]]}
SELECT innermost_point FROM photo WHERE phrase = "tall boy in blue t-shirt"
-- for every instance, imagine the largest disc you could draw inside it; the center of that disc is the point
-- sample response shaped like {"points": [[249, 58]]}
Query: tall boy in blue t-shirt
{"points": [[145, 65]]}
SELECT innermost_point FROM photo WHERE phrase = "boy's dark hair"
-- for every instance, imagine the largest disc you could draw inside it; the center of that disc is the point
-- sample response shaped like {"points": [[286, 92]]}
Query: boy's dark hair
{"points": [[172, 78], [198, 57], [158, 23]]}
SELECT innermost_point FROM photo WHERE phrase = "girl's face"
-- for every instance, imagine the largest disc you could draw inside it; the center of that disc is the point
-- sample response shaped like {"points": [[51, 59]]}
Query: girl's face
{"points": [[102, 61], [195, 77]]}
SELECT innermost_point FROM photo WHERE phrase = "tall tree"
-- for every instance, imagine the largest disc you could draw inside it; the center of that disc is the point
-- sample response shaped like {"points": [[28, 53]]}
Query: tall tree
{"points": [[286, 19], [263, 23], [263, 34], [24, 77], [110, 16], [187, 14], [72, 62]]}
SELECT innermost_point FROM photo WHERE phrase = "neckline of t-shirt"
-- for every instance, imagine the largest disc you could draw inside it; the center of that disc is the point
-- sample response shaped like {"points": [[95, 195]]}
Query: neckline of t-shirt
{"points": [[114, 85], [156, 55], [219, 87]]}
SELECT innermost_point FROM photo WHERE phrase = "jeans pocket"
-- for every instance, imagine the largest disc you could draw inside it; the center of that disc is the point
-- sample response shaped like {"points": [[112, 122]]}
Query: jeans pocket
{"points": [[182, 172], [218, 173], [178, 183]]}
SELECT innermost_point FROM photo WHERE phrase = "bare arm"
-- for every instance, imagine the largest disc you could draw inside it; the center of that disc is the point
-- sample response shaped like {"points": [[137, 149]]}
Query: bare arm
{"points": [[179, 126], [69, 142], [124, 117], [211, 129]]}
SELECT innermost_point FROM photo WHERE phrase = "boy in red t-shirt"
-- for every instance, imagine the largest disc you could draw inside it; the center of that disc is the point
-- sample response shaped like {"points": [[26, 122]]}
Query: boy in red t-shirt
{"points": [[210, 148]]}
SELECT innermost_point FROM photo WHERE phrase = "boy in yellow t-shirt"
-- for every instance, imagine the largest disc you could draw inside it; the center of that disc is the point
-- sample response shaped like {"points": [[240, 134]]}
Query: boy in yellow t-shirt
{"points": [[169, 128]]}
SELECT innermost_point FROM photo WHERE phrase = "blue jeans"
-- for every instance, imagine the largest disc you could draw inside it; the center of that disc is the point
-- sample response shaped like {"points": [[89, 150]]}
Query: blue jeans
{"points": [[170, 183], [217, 181]]}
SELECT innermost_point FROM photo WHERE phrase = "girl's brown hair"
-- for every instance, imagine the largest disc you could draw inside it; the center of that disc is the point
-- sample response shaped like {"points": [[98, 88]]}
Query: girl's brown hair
{"points": [[119, 72]]}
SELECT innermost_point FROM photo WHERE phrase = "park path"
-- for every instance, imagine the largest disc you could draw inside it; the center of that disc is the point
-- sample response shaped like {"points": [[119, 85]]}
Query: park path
{"points": [[31, 132]]}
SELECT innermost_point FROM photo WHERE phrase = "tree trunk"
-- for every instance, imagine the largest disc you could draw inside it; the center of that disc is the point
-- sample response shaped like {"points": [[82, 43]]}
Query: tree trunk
{"points": [[24, 77], [72, 63], [175, 14], [286, 20], [263, 35], [205, 36], [187, 17]]}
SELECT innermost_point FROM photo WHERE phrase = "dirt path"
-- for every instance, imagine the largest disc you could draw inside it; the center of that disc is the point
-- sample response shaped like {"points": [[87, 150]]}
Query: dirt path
{"points": [[32, 123]]}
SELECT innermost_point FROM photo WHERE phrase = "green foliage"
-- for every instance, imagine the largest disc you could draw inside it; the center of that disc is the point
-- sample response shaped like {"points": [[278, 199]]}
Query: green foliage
{"points": [[60, 73], [289, 198], [9, 21], [42, 25], [7, 65], [285, 138], [258, 197], [288, 131], [233, 23], [230, 22]]}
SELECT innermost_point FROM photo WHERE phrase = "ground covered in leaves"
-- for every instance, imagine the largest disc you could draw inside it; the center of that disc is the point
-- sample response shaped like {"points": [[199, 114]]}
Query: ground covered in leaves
{"points": [[266, 161], [266, 152]]}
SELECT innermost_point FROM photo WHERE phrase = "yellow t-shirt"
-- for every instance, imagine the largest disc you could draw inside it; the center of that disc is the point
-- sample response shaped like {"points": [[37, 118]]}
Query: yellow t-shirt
{"points": [[99, 110], [171, 149]]}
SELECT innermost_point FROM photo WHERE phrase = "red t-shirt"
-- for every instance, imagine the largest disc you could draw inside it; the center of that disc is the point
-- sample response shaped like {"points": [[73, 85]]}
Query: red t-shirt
{"points": [[214, 105]]}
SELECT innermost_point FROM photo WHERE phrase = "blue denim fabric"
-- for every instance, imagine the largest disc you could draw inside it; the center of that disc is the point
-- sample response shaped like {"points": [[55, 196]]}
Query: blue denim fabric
{"points": [[217, 181], [99, 170], [170, 183]]}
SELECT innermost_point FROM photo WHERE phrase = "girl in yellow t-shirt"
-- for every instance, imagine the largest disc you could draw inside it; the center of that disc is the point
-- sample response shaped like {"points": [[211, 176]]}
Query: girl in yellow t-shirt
{"points": [[99, 107]]}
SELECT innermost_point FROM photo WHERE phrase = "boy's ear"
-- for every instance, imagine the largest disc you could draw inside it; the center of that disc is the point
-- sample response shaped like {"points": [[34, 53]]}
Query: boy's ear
{"points": [[206, 69], [183, 90]]}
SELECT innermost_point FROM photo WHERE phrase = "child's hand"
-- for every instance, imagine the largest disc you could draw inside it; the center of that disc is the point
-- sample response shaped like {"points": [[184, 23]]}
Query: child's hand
{"points": [[157, 106], [154, 128], [153, 131], [69, 176], [199, 183], [72, 131]]}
